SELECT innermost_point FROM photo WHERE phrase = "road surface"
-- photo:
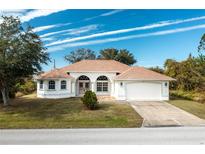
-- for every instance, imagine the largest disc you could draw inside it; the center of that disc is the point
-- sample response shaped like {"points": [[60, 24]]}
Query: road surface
{"points": [[161, 135]]}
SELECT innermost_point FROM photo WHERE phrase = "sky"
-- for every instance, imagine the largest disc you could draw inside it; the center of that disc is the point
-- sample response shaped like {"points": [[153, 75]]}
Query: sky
{"points": [[152, 36]]}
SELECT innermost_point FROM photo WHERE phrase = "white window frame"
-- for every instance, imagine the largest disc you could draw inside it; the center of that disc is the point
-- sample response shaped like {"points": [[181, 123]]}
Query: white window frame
{"points": [[102, 86], [53, 84], [41, 84], [64, 84]]}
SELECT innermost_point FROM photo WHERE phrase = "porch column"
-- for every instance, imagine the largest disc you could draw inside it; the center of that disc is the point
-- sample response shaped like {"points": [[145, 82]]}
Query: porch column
{"points": [[93, 86]]}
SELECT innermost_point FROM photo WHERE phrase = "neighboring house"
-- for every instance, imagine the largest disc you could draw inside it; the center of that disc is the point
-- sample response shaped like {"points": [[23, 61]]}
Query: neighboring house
{"points": [[104, 77]]}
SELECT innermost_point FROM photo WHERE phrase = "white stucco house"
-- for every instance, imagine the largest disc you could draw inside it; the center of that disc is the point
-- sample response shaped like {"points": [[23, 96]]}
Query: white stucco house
{"points": [[104, 77]]}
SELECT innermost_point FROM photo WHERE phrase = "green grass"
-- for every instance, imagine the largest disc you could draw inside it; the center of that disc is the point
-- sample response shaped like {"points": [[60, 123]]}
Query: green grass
{"points": [[193, 107], [32, 112]]}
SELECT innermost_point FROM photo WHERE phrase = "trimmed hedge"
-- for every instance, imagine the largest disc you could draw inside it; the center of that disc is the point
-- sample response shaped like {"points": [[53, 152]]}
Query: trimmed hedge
{"points": [[90, 100]]}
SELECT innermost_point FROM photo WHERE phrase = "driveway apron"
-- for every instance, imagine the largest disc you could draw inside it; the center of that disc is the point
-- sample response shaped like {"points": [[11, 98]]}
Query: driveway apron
{"points": [[164, 114]]}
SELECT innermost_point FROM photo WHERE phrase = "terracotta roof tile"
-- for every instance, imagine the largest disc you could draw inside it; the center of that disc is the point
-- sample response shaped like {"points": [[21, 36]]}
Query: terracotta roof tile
{"points": [[127, 72], [56, 73], [140, 73], [96, 66]]}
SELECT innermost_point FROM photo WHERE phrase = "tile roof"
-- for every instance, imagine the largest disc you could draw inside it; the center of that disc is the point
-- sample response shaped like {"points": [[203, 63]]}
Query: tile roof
{"points": [[96, 66], [140, 73], [56, 73], [127, 72]]}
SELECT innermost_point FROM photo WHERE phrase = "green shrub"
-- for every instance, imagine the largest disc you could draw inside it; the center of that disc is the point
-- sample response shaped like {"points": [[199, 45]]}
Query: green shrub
{"points": [[198, 96], [27, 87], [90, 100]]}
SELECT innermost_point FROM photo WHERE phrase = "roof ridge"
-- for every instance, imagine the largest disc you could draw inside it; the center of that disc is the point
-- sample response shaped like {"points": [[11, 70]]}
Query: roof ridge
{"points": [[125, 71]]}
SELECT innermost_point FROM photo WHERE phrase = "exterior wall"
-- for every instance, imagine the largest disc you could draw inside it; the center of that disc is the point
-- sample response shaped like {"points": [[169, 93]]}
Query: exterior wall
{"points": [[116, 89], [58, 92], [93, 78], [121, 91]]}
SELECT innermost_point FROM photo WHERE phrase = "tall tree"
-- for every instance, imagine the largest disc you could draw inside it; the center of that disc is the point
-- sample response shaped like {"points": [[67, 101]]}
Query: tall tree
{"points": [[21, 54], [109, 53], [80, 54], [122, 55]]}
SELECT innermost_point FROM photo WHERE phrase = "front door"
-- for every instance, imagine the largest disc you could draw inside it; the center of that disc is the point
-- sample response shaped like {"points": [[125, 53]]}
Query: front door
{"points": [[83, 87]]}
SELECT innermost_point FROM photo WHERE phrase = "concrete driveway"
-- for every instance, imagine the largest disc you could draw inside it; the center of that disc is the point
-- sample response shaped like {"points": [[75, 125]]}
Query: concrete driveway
{"points": [[164, 114]]}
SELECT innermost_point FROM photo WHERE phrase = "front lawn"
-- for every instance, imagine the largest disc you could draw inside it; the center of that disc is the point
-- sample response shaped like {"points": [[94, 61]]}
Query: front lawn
{"points": [[193, 107], [32, 112]]}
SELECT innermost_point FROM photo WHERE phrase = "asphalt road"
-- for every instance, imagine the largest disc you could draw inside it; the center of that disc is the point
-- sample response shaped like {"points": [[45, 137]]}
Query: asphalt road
{"points": [[162, 135]]}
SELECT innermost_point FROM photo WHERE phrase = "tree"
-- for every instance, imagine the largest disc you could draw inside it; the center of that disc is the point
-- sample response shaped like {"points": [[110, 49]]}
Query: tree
{"points": [[109, 53], [21, 54], [157, 69], [122, 55], [201, 46], [190, 73], [80, 54]]}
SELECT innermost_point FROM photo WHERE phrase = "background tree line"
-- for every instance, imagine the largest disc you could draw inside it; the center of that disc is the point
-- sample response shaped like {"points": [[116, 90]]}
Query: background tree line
{"points": [[189, 73], [121, 55]]}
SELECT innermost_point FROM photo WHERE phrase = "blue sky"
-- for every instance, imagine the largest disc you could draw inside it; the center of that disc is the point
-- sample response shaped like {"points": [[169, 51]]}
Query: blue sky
{"points": [[151, 35]]}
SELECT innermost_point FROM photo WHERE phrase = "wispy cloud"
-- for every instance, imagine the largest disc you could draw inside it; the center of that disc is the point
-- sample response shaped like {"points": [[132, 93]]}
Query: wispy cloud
{"points": [[11, 12], [111, 13], [158, 33], [42, 28], [73, 31], [37, 13], [104, 14], [146, 27], [84, 29], [14, 12], [48, 39], [26, 15]]}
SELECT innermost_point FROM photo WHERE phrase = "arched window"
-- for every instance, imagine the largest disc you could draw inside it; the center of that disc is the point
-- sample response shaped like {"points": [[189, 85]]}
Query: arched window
{"points": [[51, 84], [83, 77], [63, 84], [41, 84], [102, 78], [102, 84]]}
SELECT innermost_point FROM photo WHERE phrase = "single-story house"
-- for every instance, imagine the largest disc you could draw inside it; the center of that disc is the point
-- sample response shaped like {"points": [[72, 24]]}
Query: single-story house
{"points": [[104, 77]]}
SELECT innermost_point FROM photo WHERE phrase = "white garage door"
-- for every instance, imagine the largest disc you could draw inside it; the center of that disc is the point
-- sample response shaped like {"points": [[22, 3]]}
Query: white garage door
{"points": [[143, 91]]}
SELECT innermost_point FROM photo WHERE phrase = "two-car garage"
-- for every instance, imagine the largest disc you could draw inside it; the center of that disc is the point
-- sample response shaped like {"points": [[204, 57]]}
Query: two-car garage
{"points": [[144, 91], [141, 84]]}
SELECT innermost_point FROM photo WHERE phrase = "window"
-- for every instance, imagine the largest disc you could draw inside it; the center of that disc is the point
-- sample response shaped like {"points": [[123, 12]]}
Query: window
{"points": [[165, 84], [99, 86], [51, 84], [83, 77], [63, 84], [41, 84], [105, 86], [87, 85], [102, 78], [102, 84]]}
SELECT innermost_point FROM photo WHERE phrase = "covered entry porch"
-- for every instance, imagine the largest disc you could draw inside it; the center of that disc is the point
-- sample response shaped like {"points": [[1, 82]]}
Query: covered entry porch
{"points": [[101, 85]]}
